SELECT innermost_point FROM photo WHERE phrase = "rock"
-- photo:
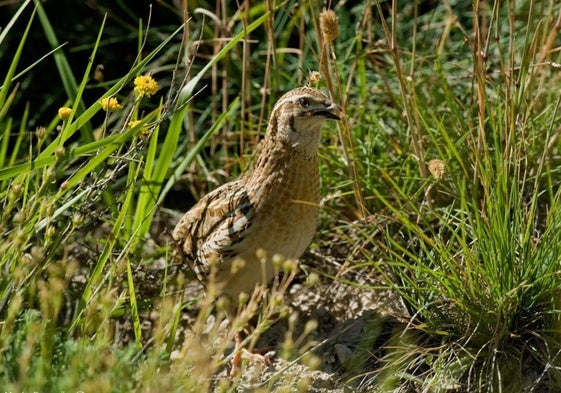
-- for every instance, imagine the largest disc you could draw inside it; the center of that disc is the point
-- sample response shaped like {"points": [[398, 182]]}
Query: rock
{"points": [[345, 355]]}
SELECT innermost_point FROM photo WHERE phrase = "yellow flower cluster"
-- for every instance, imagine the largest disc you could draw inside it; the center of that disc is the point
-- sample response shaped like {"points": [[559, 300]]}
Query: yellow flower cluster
{"points": [[143, 133], [145, 85], [110, 104]]}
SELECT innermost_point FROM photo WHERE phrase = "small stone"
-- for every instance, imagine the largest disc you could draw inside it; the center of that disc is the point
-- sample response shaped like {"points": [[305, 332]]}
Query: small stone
{"points": [[344, 355], [175, 355]]}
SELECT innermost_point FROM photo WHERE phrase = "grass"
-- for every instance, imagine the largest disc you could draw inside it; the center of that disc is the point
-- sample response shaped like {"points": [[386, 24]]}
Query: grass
{"points": [[472, 249]]}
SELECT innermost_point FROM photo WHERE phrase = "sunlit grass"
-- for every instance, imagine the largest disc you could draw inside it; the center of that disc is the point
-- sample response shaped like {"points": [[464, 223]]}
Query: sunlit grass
{"points": [[472, 249]]}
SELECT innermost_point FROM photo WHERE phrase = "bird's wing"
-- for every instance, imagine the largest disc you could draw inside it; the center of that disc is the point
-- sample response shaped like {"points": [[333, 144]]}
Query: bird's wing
{"points": [[215, 226]]}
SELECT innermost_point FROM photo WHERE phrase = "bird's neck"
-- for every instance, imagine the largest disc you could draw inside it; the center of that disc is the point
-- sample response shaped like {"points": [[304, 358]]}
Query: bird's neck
{"points": [[279, 166], [277, 157]]}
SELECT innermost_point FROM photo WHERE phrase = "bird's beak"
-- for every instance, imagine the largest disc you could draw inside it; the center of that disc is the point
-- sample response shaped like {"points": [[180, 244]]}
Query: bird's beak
{"points": [[332, 111]]}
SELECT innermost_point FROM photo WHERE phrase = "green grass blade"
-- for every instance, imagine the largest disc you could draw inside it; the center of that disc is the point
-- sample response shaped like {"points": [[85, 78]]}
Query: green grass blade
{"points": [[6, 29], [32, 65], [4, 139], [47, 155], [150, 197], [133, 305], [145, 208], [87, 132], [106, 254], [102, 155], [63, 66], [233, 108], [13, 65], [21, 136], [189, 88], [109, 144], [133, 175]]}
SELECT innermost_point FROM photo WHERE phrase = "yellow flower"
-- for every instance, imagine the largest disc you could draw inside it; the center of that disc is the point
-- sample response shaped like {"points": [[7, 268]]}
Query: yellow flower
{"points": [[143, 133], [64, 112], [328, 25], [110, 104], [145, 85]]}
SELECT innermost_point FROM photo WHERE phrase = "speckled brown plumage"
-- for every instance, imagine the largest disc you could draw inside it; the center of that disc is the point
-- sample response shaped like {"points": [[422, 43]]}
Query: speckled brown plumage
{"points": [[275, 207]]}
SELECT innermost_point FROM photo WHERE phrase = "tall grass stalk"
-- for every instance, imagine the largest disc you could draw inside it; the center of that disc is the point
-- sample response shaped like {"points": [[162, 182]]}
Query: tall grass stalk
{"points": [[478, 264]]}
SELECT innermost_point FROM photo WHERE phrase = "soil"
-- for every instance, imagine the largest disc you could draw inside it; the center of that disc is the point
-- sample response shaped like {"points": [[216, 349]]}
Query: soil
{"points": [[354, 322]]}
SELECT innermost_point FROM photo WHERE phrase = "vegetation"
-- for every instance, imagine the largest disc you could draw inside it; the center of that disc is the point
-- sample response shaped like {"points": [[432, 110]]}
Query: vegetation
{"points": [[444, 169]]}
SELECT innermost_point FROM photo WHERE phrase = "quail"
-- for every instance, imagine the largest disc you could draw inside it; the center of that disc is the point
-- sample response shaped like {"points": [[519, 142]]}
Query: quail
{"points": [[273, 208]]}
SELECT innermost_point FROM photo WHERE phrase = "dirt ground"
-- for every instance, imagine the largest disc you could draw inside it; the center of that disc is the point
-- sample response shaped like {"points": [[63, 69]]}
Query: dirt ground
{"points": [[353, 324]]}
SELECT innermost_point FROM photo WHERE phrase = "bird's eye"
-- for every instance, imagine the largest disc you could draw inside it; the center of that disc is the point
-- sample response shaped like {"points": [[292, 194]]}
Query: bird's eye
{"points": [[304, 102]]}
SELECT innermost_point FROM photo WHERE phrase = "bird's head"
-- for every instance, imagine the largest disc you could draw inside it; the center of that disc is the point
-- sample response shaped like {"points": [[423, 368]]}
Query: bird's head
{"points": [[298, 116]]}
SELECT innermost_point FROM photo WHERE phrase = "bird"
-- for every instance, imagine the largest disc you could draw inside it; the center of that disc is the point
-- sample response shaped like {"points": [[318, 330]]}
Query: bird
{"points": [[272, 210]]}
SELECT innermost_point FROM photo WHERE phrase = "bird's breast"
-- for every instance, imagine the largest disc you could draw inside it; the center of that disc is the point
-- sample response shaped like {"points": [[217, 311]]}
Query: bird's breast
{"points": [[287, 208]]}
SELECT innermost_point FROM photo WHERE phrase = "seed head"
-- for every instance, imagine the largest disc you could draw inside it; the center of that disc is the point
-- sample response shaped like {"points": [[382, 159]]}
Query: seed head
{"points": [[313, 78], [329, 26], [98, 73], [437, 168], [19, 217], [243, 298], [312, 279], [14, 192], [261, 254], [40, 132], [60, 152], [50, 231], [237, 265], [314, 362], [37, 253], [223, 303], [310, 326], [77, 220]]}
